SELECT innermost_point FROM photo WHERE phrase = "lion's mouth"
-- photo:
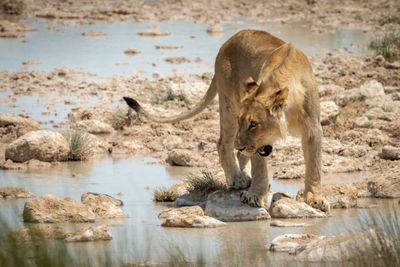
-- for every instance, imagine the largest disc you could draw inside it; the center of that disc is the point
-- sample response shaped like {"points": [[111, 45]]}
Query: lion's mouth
{"points": [[264, 151]]}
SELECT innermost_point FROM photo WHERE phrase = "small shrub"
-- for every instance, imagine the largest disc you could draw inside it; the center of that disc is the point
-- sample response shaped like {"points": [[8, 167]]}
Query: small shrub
{"points": [[169, 96], [12, 7], [384, 239], [388, 46], [163, 194], [204, 182], [121, 118], [79, 144]]}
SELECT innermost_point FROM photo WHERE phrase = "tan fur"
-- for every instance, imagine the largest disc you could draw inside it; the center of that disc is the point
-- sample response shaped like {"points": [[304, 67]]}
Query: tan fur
{"points": [[262, 80]]}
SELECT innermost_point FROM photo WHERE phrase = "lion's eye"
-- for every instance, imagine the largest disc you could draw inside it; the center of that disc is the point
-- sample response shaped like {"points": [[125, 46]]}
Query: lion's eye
{"points": [[252, 125]]}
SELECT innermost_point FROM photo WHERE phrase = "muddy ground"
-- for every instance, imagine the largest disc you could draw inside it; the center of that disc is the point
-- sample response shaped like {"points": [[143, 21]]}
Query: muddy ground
{"points": [[368, 15], [353, 136]]}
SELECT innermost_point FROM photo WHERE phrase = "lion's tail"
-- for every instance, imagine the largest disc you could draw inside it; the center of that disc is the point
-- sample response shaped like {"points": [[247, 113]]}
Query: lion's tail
{"points": [[208, 97]]}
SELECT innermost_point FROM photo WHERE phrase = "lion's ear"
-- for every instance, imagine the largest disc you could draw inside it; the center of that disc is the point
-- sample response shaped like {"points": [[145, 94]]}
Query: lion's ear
{"points": [[279, 99], [276, 60], [250, 86]]}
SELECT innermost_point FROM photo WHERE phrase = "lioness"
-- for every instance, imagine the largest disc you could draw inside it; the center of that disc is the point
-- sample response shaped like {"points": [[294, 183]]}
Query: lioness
{"points": [[266, 89]]}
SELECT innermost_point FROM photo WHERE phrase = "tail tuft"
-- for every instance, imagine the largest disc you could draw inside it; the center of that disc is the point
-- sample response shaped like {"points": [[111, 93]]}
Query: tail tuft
{"points": [[132, 103]]}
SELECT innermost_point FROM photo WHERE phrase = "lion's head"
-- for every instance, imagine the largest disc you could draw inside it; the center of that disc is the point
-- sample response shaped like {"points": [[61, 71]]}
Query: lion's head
{"points": [[261, 116], [261, 120]]}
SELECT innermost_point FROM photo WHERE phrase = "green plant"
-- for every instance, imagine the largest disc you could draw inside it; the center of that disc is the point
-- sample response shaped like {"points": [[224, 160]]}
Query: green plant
{"points": [[203, 182], [384, 237], [163, 194], [169, 96], [388, 46], [121, 118], [79, 144]]}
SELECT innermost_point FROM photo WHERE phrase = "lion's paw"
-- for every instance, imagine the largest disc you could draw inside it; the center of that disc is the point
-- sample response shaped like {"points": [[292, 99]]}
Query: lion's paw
{"points": [[251, 199], [317, 202], [241, 181]]}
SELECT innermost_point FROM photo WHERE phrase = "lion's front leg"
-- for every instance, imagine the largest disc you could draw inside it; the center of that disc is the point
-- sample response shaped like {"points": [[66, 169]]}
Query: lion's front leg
{"points": [[258, 191], [235, 178], [311, 143]]}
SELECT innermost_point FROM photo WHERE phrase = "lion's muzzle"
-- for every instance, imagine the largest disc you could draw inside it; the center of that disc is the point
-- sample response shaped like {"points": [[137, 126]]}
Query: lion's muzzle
{"points": [[264, 151]]}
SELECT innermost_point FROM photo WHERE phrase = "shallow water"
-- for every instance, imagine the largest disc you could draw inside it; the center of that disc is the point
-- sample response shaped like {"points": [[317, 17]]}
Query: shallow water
{"points": [[136, 179], [99, 55], [68, 48]]}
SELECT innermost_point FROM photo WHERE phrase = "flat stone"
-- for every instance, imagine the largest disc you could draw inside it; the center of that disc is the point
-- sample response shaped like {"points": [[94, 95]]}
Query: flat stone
{"points": [[42, 145], [93, 127], [226, 206], [51, 209], [288, 224], [103, 206], [192, 217], [15, 192], [92, 233], [290, 208]]}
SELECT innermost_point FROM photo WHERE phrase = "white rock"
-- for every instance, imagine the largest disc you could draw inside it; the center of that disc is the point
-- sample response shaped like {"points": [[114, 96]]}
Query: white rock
{"points": [[290, 208], [42, 145], [372, 89], [227, 207], [51, 209], [329, 112]]}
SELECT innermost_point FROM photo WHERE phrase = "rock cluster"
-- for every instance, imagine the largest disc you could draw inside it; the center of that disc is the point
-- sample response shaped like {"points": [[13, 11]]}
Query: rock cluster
{"points": [[51, 209], [339, 248]]}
